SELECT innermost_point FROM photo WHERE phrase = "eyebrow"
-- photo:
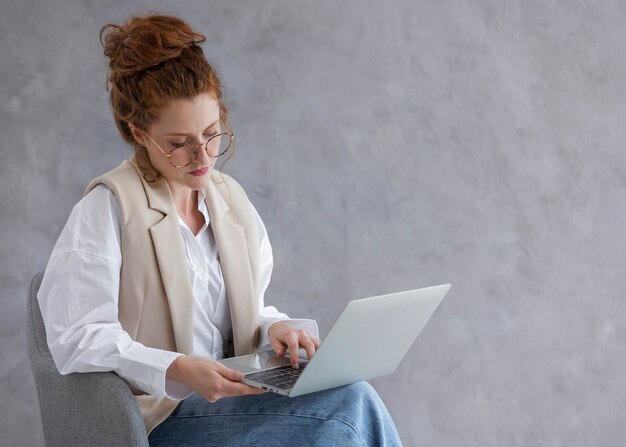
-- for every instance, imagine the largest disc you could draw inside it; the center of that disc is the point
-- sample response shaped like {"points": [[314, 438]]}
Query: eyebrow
{"points": [[179, 134]]}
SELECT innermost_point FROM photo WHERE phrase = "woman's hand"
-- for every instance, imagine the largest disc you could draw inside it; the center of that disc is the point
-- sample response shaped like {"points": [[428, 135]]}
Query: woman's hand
{"points": [[284, 336], [209, 378]]}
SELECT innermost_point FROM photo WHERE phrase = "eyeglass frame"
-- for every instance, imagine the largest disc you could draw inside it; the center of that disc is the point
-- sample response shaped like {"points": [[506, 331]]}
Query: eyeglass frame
{"points": [[230, 135]]}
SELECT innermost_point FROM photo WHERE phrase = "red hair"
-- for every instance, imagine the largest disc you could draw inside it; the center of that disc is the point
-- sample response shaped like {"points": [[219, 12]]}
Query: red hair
{"points": [[153, 59]]}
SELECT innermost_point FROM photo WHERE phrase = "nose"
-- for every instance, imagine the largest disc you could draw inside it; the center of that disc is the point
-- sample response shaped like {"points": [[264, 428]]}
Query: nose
{"points": [[202, 154]]}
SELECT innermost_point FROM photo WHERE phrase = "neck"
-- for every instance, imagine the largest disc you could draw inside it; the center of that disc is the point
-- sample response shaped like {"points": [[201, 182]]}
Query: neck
{"points": [[185, 199]]}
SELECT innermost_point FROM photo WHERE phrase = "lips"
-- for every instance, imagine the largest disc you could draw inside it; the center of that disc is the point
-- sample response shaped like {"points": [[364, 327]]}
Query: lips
{"points": [[200, 172]]}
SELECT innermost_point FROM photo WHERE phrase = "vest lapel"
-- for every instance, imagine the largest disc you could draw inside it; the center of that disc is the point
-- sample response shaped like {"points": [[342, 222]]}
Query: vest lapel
{"points": [[170, 252], [234, 259]]}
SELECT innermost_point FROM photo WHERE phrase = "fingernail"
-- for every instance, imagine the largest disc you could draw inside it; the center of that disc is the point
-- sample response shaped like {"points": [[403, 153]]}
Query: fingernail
{"points": [[296, 366]]}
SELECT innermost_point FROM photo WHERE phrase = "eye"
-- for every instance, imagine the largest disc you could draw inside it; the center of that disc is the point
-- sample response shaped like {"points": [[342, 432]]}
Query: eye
{"points": [[177, 145]]}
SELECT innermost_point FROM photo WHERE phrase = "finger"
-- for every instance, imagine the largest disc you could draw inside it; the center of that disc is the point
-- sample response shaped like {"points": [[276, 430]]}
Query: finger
{"points": [[239, 389], [308, 345], [316, 342], [294, 347], [278, 347], [276, 333], [228, 373]]}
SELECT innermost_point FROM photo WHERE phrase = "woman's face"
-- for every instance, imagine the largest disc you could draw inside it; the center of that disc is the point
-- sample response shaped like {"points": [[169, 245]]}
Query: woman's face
{"points": [[183, 122]]}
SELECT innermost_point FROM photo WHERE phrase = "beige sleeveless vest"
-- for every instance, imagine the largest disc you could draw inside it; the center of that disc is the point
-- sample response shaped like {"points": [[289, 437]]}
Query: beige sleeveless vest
{"points": [[156, 298]]}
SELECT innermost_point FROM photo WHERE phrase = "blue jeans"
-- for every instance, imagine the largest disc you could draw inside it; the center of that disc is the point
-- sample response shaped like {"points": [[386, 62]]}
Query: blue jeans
{"points": [[352, 415]]}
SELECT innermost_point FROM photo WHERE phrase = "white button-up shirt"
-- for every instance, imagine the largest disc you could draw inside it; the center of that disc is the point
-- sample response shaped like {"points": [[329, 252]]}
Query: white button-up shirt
{"points": [[79, 298]]}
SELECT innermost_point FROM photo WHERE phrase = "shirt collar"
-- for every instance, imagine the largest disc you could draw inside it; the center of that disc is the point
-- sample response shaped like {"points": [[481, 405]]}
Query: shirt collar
{"points": [[202, 208]]}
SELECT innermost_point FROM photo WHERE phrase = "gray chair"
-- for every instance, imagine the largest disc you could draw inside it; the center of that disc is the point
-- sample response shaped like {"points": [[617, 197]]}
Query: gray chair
{"points": [[80, 409]]}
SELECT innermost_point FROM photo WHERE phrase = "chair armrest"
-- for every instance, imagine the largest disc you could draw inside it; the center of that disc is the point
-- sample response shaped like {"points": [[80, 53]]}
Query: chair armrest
{"points": [[80, 409], [89, 409]]}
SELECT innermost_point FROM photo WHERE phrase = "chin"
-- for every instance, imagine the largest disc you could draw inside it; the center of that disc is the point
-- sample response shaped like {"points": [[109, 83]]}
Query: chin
{"points": [[198, 183]]}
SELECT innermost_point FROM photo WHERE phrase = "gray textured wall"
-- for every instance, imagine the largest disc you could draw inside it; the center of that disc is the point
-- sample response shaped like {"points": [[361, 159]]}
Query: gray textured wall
{"points": [[387, 145]]}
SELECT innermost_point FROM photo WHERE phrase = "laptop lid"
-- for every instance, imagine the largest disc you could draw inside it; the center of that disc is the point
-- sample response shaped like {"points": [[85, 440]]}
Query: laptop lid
{"points": [[369, 339]]}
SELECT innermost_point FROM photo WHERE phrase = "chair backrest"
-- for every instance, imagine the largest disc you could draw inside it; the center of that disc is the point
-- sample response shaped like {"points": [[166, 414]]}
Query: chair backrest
{"points": [[79, 409]]}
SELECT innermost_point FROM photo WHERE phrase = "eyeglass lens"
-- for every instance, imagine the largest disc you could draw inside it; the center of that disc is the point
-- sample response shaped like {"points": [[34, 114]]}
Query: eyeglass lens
{"points": [[215, 147]]}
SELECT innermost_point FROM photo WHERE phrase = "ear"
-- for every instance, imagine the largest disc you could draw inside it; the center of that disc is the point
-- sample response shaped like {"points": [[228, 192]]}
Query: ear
{"points": [[138, 135]]}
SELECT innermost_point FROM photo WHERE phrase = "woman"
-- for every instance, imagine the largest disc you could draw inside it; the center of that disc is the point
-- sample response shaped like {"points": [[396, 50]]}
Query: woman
{"points": [[162, 267]]}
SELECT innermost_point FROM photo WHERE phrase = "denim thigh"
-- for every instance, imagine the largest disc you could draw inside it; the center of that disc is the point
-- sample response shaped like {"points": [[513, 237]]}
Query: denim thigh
{"points": [[351, 415]]}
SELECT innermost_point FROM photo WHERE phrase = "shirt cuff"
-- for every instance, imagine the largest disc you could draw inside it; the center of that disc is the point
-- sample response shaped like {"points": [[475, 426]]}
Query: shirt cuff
{"points": [[309, 326], [145, 368], [176, 391]]}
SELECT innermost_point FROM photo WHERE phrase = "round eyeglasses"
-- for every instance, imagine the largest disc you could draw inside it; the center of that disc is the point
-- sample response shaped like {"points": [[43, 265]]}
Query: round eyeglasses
{"points": [[183, 155]]}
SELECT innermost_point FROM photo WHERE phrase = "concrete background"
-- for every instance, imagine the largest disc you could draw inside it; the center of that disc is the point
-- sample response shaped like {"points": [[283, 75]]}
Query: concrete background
{"points": [[387, 145]]}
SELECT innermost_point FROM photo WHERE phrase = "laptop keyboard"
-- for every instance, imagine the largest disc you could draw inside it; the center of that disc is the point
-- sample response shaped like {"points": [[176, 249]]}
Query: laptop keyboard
{"points": [[281, 377]]}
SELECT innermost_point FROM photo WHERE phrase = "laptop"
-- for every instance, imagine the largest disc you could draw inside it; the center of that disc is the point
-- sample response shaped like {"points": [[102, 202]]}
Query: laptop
{"points": [[369, 339]]}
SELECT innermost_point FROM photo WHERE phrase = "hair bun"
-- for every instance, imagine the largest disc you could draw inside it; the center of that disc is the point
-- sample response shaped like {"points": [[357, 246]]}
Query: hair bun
{"points": [[145, 42]]}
